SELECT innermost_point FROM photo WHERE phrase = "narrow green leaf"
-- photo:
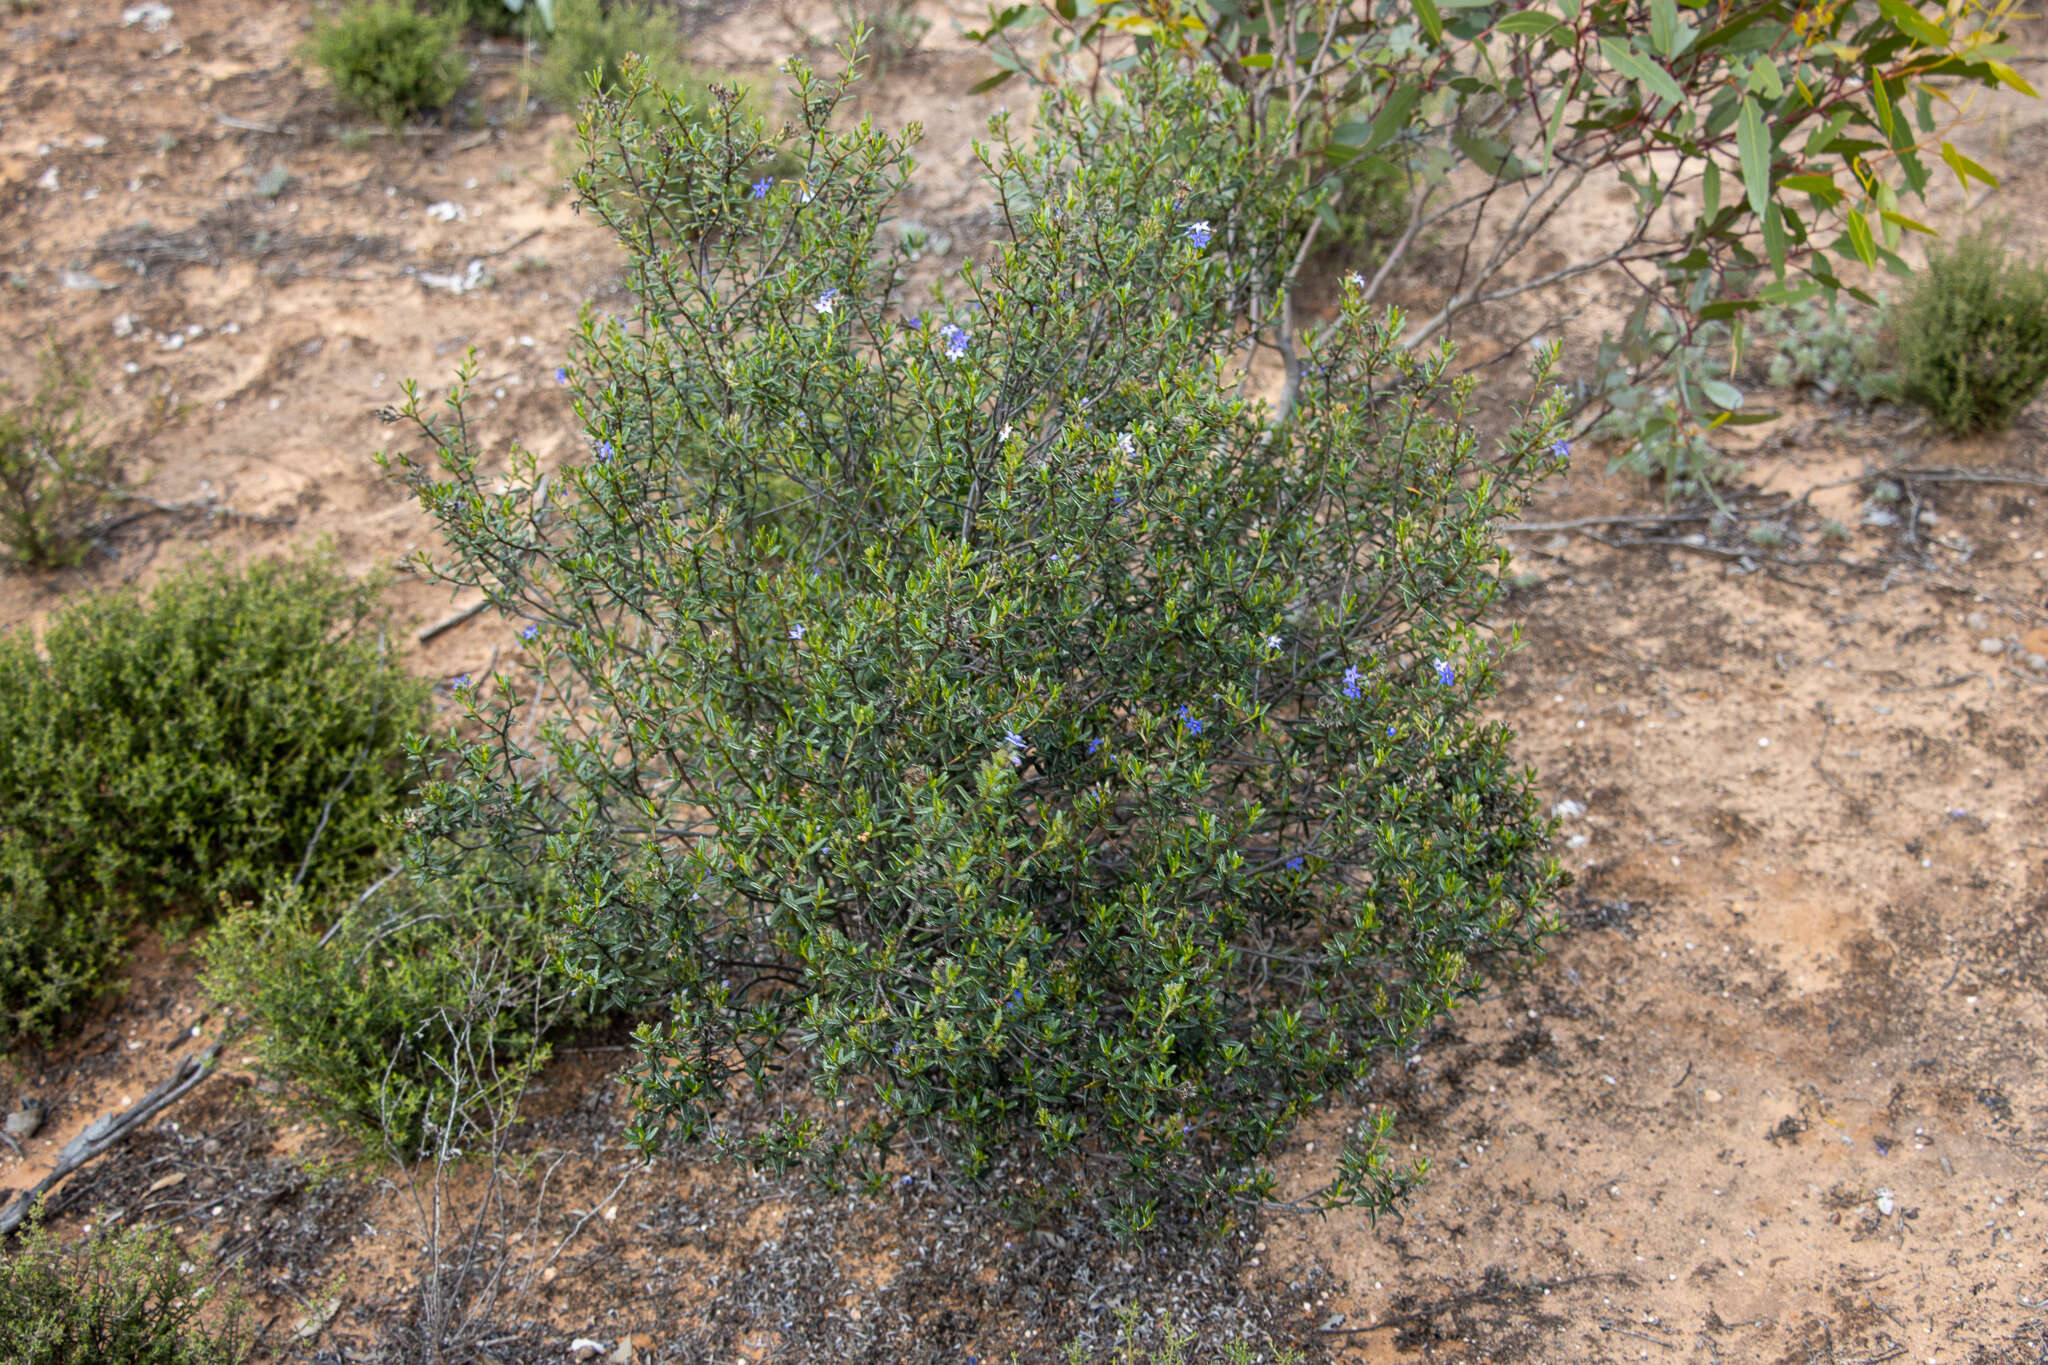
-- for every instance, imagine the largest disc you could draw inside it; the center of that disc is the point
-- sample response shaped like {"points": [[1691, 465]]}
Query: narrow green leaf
{"points": [[1664, 27], [1860, 240], [1257, 61], [2012, 78], [1966, 168], [991, 83], [1909, 224], [1555, 129], [1754, 145], [1908, 20], [1432, 22], [1710, 187], [1774, 238]]}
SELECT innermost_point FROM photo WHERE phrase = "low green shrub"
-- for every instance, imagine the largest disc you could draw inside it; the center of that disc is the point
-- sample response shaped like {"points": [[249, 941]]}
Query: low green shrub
{"points": [[389, 60], [54, 474], [591, 36], [1652, 380], [409, 1015], [119, 1299], [894, 28], [987, 709], [228, 731], [1971, 338]]}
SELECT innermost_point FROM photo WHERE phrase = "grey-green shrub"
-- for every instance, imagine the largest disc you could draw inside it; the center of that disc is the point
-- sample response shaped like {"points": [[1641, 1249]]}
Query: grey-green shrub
{"points": [[54, 473], [1971, 338], [1822, 344], [119, 1299], [389, 60], [163, 752], [983, 707], [391, 1012]]}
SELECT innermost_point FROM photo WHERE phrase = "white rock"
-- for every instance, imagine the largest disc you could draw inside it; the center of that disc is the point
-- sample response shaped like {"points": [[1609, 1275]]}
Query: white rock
{"points": [[1978, 622], [151, 16], [1568, 810], [1885, 1203], [2037, 662], [447, 211], [124, 325], [583, 1348], [48, 180], [1991, 644]]}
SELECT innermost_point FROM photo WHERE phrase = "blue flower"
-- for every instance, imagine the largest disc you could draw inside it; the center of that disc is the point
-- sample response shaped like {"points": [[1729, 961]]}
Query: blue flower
{"points": [[914, 322], [761, 186], [604, 450], [908, 1178], [1561, 449], [1013, 739], [1351, 682], [561, 375], [825, 301], [1445, 674], [1390, 732], [1273, 641], [461, 684], [956, 341], [1200, 233], [529, 633], [1194, 725], [1016, 999], [796, 632], [1294, 864], [1093, 746]]}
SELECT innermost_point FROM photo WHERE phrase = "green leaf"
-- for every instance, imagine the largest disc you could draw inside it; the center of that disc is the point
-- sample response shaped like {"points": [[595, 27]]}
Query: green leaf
{"points": [[1536, 24], [1710, 188], [1754, 145], [1764, 79], [1965, 168], [990, 83], [1774, 237], [1554, 129], [2007, 76], [1257, 61], [1720, 310], [1909, 224], [1860, 240], [1432, 22], [1908, 20], [1664, 27], [1721, 393]]}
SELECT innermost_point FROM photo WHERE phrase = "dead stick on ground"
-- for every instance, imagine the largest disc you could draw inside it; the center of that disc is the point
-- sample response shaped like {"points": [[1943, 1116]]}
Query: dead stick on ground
{"points": [[449, 623], [107, 1131], [1529, 1290]]}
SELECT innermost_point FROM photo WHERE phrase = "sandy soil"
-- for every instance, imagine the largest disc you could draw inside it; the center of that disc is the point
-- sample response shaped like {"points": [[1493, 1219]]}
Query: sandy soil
{"points": [[1777, 1095]]}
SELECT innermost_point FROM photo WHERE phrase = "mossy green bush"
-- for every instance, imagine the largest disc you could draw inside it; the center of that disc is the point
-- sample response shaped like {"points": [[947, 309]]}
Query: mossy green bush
{"points": [[389, 60], [408, 1015], [119, 1299], [983, 706], [158, 753], [54, 473], [1971, 338]]}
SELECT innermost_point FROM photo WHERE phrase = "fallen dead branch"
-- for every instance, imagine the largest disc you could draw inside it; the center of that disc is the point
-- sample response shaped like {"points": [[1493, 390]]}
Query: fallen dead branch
{"points": [[106, 1132]]}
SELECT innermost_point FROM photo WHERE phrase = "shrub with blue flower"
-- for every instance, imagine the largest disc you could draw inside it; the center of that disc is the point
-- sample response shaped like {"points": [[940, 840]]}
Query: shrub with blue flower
{"points": [[845, 827]]}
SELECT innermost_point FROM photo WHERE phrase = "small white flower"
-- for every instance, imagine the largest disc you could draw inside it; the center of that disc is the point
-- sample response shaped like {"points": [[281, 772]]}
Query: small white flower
{"points": [[1354, 278], [1127, 446], [826, 301], [1272, 642], [1004, 434], [796, 632]]}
